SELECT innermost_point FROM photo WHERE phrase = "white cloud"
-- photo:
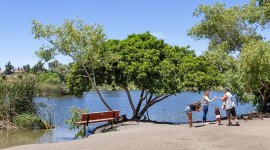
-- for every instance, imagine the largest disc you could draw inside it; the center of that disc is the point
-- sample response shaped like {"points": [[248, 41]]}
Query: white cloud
{"points": [[159, 35]]}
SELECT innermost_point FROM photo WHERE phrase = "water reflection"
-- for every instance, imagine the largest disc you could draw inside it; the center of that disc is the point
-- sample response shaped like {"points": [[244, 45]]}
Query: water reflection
{"points": [[20, 137]]}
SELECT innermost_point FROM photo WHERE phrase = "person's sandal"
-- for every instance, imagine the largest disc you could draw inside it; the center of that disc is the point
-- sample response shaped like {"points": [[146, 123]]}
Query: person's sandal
{"points": [[237, 123]]}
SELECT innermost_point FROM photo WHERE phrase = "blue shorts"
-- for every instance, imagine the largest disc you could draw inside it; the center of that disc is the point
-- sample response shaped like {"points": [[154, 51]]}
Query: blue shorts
{"points": [[188, 109]]}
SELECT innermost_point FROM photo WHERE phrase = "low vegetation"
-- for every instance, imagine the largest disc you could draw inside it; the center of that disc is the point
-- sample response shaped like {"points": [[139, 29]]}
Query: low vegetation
{"points": [[75, 116], [17, 103], [29, 121]]}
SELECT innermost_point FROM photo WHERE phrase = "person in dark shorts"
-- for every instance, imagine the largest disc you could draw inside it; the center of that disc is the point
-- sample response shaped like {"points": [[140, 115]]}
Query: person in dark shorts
{"points": [[229, 106], [190, 108]]}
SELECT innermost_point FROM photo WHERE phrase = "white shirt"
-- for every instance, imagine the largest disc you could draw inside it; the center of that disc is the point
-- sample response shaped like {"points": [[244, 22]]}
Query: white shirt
{"points": [[229, 103]]}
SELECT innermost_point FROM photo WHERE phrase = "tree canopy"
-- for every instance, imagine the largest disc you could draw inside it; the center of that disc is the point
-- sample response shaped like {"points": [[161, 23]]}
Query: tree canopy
{"points": [[82, 42], [236, 48], [9, 68], [156, 68]]}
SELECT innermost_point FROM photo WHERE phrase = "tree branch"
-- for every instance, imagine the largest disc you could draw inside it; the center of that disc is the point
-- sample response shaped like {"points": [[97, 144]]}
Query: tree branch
{"points": [[159, 100], [129, 99]]}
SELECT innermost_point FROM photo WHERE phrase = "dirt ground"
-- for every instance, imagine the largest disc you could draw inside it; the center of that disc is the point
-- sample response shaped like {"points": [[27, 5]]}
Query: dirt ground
{"points": [[250, 135]]}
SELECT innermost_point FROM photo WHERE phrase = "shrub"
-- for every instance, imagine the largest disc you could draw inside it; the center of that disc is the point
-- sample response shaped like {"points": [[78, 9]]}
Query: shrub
{"points": [[49, 78], [29, 121], [48, 89], [16, 97], [75, 115], [17, 103]]}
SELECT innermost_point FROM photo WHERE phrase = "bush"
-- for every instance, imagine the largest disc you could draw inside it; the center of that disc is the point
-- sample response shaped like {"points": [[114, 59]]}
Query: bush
{"points": [[16, 97], [50, 84], [49, 89], [75, 115], [49, 78], [29, 121], [17, 103]]}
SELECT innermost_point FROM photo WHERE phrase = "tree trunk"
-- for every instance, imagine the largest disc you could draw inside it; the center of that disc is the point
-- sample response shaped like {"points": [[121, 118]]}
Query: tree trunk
{"points": [[142, 98], [102, 100], [265, 97], [150, 103], [129, 99], [145, 108], [92, 81]]}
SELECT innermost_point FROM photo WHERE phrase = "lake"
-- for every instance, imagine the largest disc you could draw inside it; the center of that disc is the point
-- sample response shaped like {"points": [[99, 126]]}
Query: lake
{"points": [[168, 110]]}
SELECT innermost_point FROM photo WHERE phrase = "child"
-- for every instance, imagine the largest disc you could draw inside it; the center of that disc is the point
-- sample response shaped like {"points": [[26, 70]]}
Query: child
{"points": [[218, 116]]}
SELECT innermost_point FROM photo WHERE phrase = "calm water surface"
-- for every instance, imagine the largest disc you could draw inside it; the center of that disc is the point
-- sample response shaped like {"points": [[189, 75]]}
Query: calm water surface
{"points": [[169, 110]]}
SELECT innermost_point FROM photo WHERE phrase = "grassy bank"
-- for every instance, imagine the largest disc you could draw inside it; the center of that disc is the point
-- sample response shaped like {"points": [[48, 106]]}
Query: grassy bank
{"points": [[17, 103]]}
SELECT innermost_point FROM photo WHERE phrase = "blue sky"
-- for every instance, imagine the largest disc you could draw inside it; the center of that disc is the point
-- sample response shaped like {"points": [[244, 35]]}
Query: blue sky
{"points": [[166, 19]]}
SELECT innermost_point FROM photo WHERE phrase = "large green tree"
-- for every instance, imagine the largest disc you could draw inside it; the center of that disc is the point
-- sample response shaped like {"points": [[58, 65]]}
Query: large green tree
{"points": [[255, 70], [38, 68], [61, 69], [156, 68], [82, 42], [224, 27], [232, 34]]}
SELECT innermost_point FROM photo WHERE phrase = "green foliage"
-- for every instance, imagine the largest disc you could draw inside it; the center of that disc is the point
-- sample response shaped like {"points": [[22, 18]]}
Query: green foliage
{"points": [[199, 74], [61, 69], [77, 81], [150, 65], [234, 29], [29, 121], [258, 13], [49, 78], [51, 83], [26, 68], [50, 89], [16, 97], [74, 38], [254, 65], [225, 26], [38, 68], [75, 116], [3, 77], [17, 103], [254, 72], [53, 64], [9, 68], [155, 66], [83, 43], [139, 61]]}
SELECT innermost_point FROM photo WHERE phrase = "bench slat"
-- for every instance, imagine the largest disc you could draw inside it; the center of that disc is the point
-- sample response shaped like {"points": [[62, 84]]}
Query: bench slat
{"points": [[93, 121]]}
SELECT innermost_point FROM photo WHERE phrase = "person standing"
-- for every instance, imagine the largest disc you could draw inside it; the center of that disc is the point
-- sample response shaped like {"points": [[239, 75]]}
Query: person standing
{"points": [[205, 104], [192, 107], [229, 106]]}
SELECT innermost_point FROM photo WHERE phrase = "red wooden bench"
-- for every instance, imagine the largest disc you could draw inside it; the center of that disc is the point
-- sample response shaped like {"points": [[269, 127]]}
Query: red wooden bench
{"points": [[94, 117]]}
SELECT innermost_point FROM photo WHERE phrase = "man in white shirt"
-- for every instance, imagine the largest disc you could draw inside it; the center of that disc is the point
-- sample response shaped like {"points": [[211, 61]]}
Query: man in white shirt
{"points": [[230, 108]]}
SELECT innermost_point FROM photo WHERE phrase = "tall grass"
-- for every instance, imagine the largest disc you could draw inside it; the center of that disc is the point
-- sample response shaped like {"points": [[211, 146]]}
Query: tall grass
{"points": [[17, 97]]}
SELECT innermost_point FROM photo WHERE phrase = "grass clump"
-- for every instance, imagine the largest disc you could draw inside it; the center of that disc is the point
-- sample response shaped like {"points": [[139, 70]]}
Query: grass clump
{"points": [[29, 121], [17, 104]]}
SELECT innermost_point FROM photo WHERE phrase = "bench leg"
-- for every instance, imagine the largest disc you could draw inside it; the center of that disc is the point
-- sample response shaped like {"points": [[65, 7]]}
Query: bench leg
{"points": [[111, 124], [84, 130]]}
